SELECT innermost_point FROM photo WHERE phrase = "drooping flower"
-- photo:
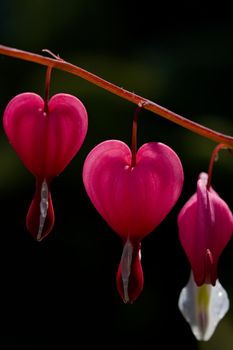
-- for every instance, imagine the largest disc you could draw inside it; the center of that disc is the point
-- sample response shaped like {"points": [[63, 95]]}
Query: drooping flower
{"points": [[46, 141], [132, 198], [205, 227]]}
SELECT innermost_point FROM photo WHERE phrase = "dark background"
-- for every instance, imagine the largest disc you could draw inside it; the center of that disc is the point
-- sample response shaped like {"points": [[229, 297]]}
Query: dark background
{"points": [[62, 290]]}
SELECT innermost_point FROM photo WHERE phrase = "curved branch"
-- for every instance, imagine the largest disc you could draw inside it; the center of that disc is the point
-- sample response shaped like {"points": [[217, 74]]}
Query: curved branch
{"points": [[127, 95]]}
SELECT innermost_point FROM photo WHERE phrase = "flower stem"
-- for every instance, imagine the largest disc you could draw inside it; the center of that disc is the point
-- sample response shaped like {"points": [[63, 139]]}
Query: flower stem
{"points": [[212, 160], [127, 95], [47, 87], [134, 133]]}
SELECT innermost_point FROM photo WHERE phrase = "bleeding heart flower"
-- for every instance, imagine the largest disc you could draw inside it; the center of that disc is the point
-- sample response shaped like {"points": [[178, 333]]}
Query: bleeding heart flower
{"points": [[45, 142], [132, 199], [205, 227]]}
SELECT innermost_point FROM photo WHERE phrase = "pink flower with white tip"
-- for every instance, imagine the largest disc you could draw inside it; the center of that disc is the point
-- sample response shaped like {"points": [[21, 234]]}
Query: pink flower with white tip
{"points": [[205, 227], [133, 191], [46, 140]]}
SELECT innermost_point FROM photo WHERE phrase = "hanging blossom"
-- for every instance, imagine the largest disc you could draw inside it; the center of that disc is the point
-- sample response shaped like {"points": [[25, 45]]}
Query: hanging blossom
{"points": [[133, 191], [46, 135], [205, 227]]}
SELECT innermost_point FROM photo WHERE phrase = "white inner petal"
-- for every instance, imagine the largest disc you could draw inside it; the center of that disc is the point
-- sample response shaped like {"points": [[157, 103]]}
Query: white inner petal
{"points": [[126, 260], [140, 254], [44, 204], [203, 307]]}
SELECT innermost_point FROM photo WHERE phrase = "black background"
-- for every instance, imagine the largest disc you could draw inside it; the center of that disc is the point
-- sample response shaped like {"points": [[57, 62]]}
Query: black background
{"points": [[62, 290]]}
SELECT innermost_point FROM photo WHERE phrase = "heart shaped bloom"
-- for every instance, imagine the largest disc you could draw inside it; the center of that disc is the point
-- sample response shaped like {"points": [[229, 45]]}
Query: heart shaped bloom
{"points": [[132, 199], [205, 227], [45, 142]]}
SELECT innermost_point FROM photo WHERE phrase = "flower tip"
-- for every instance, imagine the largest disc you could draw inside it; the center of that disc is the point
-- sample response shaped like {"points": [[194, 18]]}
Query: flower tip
{"points": [[203, 307], [40, 217], [203, 176], [129, 277]]}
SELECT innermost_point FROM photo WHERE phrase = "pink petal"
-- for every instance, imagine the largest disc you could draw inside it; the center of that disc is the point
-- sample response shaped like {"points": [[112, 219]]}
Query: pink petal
{"points": [[135, 200], [205, 227], [46, 143]]}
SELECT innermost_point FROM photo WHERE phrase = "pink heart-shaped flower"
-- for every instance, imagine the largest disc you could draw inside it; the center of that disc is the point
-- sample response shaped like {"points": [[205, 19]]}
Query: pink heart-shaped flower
{"points": [[46, 143], [132, 200]]}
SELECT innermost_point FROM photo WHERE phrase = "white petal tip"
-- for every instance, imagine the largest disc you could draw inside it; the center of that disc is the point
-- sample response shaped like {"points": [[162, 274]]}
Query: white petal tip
{"points": [[203, 307]]}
